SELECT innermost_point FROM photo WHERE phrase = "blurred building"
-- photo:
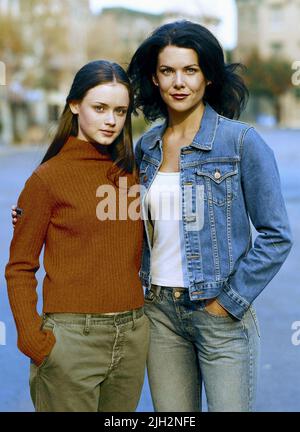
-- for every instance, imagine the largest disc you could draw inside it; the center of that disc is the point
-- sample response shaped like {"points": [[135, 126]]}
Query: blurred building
{"points": [[118, 31], [272, 28], [54, 38], [131, 27]]}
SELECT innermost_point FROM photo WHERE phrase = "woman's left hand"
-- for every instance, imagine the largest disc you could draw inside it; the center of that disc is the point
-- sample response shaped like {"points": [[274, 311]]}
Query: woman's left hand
{"points": [[215, 308]]}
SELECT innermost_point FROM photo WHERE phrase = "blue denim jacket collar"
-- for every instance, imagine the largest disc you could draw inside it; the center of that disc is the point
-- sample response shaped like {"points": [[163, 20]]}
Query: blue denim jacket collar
{"points": [[203, 139]]}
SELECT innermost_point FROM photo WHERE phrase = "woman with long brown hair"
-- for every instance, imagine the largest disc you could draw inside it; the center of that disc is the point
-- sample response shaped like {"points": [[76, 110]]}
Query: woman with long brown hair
{"points": [[88, 350]]}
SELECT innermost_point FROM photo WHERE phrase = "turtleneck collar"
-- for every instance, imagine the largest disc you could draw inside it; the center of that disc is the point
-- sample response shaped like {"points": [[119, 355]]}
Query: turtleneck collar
{"points": [[75, 148]]}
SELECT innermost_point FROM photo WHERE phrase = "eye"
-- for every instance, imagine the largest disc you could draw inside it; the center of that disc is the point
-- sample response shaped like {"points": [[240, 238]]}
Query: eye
{"points": [[191, 71], [166, 71], [121, 111], [99, 108]]}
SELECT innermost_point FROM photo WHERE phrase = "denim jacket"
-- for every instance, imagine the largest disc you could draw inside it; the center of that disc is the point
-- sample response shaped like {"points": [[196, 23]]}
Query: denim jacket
{"points": [[228, 176]]}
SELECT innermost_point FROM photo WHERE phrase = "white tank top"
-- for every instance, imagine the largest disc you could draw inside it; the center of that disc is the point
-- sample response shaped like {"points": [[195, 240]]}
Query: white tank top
{"points": [[168, 263]]}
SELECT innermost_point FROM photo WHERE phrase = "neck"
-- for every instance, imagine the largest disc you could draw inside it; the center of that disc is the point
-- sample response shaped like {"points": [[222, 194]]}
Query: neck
{"points": [[76, 148], [102, 148], [185, 123]]}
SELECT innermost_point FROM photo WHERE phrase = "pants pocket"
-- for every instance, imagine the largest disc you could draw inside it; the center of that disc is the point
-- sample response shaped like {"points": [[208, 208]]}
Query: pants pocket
{"points": [[49, 324], [149, 296], [153, 295], [254, 317], [227, 318]]}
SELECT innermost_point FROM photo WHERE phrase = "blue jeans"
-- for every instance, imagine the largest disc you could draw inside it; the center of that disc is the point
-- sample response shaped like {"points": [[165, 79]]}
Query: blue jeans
{"points": [[189, 345]]}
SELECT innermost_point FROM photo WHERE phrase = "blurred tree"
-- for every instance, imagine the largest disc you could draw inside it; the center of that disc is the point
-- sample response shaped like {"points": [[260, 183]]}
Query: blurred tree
{"points": [[228, 54], [12, 44], [45, 27], [270, 78], [10, 35]]}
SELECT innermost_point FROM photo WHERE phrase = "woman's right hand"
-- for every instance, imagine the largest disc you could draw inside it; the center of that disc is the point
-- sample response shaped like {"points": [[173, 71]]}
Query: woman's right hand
{"points": [[14, 216]]}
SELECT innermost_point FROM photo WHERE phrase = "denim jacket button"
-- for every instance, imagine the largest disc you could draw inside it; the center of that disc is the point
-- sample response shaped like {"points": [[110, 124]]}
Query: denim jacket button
{"points": [[145, 178], [217, 174]]}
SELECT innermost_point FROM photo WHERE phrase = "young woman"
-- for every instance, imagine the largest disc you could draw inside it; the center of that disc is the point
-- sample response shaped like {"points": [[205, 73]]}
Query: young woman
{"points": [[199, 266], [89, 350]]}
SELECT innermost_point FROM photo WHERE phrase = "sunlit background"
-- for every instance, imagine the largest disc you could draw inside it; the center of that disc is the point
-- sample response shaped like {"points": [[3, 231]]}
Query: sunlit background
{"points": [[44, 42]]}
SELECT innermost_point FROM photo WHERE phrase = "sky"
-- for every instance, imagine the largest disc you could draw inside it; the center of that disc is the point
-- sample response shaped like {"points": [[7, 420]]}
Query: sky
{"points": [[224, 9]]}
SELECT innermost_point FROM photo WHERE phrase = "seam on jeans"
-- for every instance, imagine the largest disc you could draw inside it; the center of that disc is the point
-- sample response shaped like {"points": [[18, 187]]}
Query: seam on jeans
{"points": [[250, 368], [254, 317], [37, 391], [46, 321], [250, 404]]}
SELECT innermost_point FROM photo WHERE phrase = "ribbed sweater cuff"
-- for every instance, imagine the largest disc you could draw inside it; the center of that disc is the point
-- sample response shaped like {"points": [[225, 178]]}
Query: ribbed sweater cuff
{"points": [[37, 346]]}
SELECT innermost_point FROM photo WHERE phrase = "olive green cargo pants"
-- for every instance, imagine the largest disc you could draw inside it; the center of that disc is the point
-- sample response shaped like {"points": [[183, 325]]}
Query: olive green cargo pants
{"points": [[97, 363]]}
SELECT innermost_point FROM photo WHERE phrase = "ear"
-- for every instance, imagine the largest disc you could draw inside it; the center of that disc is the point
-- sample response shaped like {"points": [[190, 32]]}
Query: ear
{"points": [[154, 79], [74, 107]]}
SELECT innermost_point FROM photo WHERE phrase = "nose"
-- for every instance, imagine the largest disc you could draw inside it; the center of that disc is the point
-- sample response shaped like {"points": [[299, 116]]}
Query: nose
{"points": [[110, 119], [178, 80]]}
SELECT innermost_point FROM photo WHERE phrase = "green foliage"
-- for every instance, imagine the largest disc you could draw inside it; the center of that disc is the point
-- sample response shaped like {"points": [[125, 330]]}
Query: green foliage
{"points": [[139, 125], [267, 77], [10, 36]]}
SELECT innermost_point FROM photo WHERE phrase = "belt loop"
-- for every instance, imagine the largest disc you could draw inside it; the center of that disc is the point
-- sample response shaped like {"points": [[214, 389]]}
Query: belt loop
{"points": [[86, 329], [156, 290], [133, 319]]}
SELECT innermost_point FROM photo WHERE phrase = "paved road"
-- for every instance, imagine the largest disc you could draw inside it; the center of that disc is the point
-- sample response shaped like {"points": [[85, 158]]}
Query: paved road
{"points": [[278, 307]]}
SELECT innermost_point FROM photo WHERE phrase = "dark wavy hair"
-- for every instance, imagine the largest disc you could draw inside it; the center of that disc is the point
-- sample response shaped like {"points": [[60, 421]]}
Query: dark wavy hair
{"points": [[90, 75], [227, 93]]}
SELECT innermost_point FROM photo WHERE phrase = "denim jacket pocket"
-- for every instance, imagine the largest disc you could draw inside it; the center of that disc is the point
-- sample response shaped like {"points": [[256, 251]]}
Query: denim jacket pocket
{"points": [[219, 179]]}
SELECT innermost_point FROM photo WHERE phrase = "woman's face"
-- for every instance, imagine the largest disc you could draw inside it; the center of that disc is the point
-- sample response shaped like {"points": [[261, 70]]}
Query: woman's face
{"points": [[179, 78], [102, 113]]}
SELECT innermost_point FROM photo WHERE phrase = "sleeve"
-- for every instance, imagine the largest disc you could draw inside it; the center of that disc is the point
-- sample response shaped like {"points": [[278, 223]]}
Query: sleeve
{"points": [[265, 205], [28, 239]]}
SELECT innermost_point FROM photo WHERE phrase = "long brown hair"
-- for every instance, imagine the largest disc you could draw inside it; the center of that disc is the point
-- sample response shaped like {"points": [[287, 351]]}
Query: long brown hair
{"points": [[90, 75]]}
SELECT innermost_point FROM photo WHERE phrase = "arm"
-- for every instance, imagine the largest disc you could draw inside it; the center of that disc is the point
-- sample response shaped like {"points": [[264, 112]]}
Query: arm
{"points": [[25, 249], [265, 205]]}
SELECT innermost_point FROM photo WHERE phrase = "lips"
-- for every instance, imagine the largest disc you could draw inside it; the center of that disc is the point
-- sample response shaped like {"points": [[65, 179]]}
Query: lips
{"points": [[179, 96], [107, 132]]}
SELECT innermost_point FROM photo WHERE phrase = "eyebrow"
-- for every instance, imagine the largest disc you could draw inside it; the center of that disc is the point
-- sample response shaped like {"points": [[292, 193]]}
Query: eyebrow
{"points": [[184, 67], [106, 105]]}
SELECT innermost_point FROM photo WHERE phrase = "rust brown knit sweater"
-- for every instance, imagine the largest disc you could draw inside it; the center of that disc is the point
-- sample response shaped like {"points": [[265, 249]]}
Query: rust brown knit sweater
{"points": [[91, 265]]}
